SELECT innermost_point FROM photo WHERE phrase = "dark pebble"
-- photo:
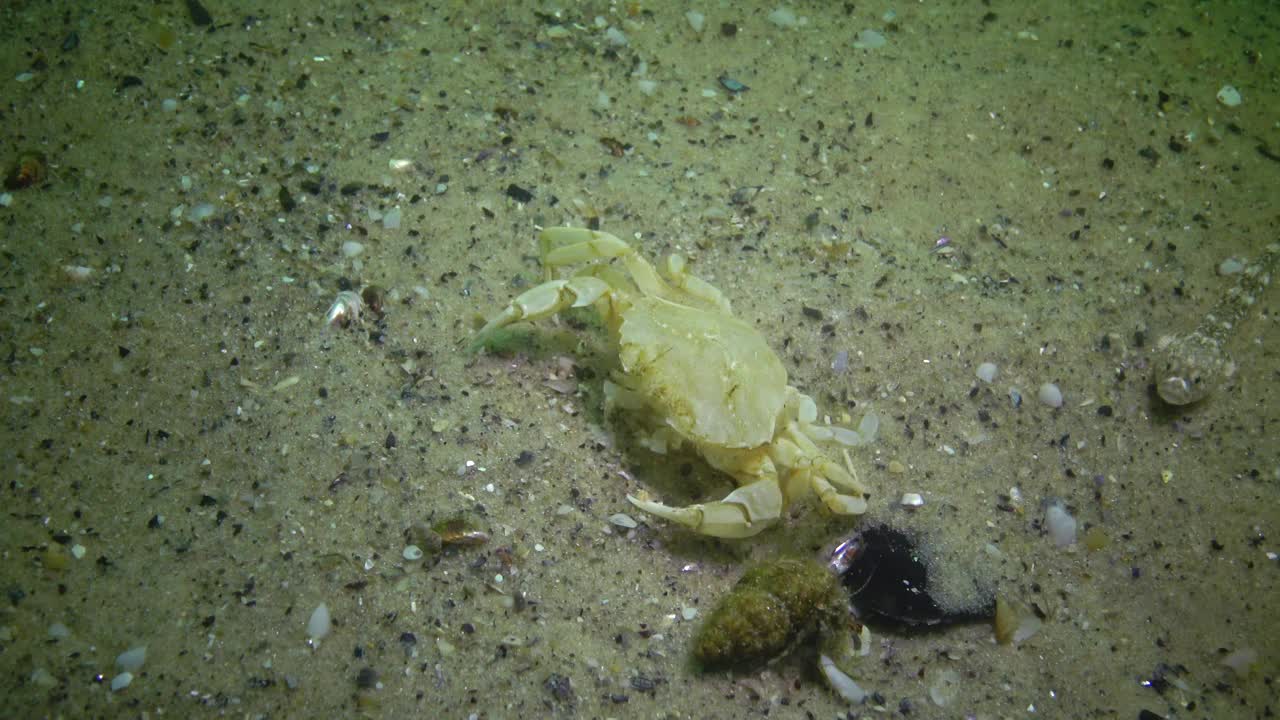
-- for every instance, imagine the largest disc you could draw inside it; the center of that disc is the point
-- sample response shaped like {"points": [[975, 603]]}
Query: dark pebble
{"points": [[524, 458], [366, 678], [519, 194], [560, 686], [813, 313], [199, 15], [71, 41], [128, 81], [208, 501], [618, 698], [1104, 410], [390, 442], [287, 203], [642, 683]]}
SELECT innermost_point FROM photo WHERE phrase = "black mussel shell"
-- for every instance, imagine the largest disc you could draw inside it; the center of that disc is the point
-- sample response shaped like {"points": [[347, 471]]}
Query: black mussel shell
{"points": [[889, 574]]}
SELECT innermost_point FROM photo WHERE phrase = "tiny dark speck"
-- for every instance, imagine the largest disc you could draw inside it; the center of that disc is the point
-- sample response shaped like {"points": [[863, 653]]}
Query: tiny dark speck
{"points": [[380, 137], [812, 313], [390, 442], [128, 81], [123, 351], [519, 194], [524, 458], [1104, 410]]}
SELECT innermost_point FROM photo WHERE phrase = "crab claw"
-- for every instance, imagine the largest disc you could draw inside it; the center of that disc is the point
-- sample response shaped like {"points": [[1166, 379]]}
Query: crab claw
{"points": [[742, 513]]}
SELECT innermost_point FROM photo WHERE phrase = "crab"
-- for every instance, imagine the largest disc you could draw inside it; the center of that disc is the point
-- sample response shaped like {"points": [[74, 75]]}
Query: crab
{"points": [[694, 377]]}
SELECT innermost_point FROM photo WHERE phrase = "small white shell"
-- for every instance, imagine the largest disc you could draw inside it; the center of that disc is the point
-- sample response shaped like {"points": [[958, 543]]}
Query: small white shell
{"points": [[839, 681]]}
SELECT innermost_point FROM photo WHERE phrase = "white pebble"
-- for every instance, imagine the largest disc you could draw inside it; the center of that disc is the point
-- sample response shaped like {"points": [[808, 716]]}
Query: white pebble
{"points": [[121, 681], [1062, 527], [412, 553], [869, 428], [320, 623], [615, 36], [648, 87], [1050, 395], [912, 500], [783, 17], [1229, 96], [131, 660], [622, 520], [1230, 266], [987, 372], [697, 20], [58, 631], [689, 613], [351, 248], [200, 212], [870, 40], [169, 105], [391, 221]]}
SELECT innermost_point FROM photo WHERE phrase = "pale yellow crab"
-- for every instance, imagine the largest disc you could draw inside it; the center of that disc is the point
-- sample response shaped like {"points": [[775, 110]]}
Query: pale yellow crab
{"points": [[694, 375]]}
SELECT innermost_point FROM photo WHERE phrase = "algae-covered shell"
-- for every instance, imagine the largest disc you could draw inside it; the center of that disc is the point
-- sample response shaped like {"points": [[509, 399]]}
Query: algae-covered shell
{"points": [[770, 608]]}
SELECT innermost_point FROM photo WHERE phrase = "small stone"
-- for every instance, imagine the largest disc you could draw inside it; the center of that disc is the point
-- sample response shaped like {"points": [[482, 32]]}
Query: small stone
{"points": [[320, 623], [912, 500], [689, 613], [623, 520], [1061, 525], [1229, 96], [1050, 395], [896, 467], [121, 681], [412, 553], [987, 371], [131, 660]]}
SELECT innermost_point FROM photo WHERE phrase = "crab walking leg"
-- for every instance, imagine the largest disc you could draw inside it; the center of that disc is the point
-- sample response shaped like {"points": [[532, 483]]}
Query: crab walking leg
{"points": [[742, 513], [694, 285], [795, 451], [568, 246], [545, 300]]}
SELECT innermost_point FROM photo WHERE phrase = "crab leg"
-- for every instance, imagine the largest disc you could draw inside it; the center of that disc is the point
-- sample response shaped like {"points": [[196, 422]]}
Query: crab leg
{"points": [[796, 453], [694, 285], [545, 300], [742, 513]]}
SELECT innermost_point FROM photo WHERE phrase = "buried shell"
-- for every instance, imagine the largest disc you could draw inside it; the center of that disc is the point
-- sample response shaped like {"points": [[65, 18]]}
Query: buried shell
{"points": [[892, 575]]}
